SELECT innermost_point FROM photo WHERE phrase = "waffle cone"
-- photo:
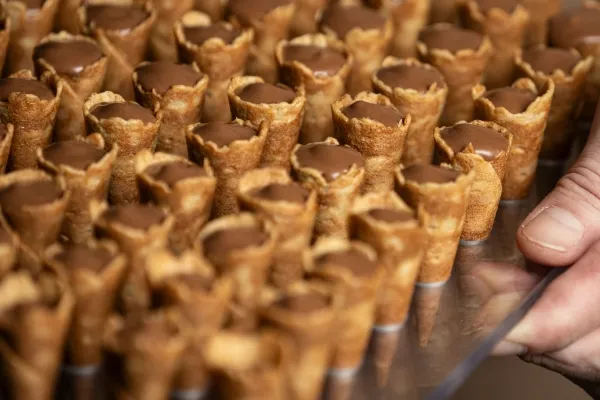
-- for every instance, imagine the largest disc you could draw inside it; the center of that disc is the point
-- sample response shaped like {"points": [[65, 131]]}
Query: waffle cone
{"points": [[566, 104], [64, 16], [5, 146], [85, 186], [317, 124], [131, 136], [217, 59], [527, 129], [443, 11], [305, 18], [215, 9], [408, 17], [8, 251], [70, 121], [443, 207], [4, 40], [540, 12], [427, 304], [399, 246], [124, 51], [180, 105], [294, 222], [284, 119], [462, 72], [425, 109], [335, 198], [162, 39], [33, 120], [380, 145], [229, 163]]}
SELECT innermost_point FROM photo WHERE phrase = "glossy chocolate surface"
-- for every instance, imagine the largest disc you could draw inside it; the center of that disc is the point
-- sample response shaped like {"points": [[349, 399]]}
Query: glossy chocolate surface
{"points": [[342, 19], [487, 142], [77, 154], [266, 93], [247, 11], [68, 58], [449, 38], [29, 194], [114, 17], [173, 172], [29, 86], [322, 61], [386, 115], [200, 34], [331, 160], [163, 75], [136, 216], [220, 244], [290, 192], [550, 59], [515, 100], [224, 133], [426, 173], [411, 77], [126, 110], [575, 27]]}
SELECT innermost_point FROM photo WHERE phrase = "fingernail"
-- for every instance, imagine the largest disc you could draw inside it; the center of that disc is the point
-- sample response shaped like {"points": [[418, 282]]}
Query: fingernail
{"points": [[506, 348], [554, 228]]}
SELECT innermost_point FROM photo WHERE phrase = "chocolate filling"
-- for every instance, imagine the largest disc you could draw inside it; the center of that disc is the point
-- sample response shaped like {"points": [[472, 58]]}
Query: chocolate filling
{"points": [[411, 77], [390, 215], [574, 27], [173, 172], [223, 134], [219, 244], [29, 86], [163, 75], [331, 160], [506, 5], [487, 142], [290, 192], [74, 153], [450, 38], [265, 93], [200, 34], [387, 115], [548, 60], [304, 302], [322, 61], [82, 256], [113, 17], [68, 58], [5, 237], [126, 110], [515, 100], [136, 216], [355, 261], [342, 19], [29, 194], [247, 11], [426, 173]]}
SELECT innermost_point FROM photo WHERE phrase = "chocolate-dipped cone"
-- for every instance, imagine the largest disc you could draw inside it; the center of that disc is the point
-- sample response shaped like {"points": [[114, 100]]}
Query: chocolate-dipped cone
{"points": [[427, 304], [425, 109], [271, 28], [462, 71], [357, 313], [321, 90], [132, 136], [566, 102], [5, 146], [5, 29], [305, 17], [335, 197], [229, 162], [162, 38], [487, 186], [506, 32], [294, 221], [143, 355], [284, 119], [189, 199], [400, 246], [540, 11], [85, 184], [310, 330], [27, 27], [380, 145], [443, 207], [33, 120], [95, 292], [70, 122], [247, 263], [124, 49], [9, 248], [219, 60], [443, 11], [527, 129], [64, 17], [180, 106]]}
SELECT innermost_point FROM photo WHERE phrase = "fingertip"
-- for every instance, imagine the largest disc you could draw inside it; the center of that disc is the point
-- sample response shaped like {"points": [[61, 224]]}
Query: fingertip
{"points": [[534, 251]]}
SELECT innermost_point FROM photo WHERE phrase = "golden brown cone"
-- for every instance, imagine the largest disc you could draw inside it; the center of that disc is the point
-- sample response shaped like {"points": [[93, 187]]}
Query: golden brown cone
{"points": [[85, 186], [33, 121], [443, 207], [400, 247], [487, 186], [527, 129], [408, 17], [229, 162], [39, 328], [248, 266], [273, 27], [443, 11], [189, 200], [335, 198], [65, 20], [294, 222], [507, 34], [215, 9], [8, 250], [540, 11], [305, 18], [4, 40], [427, 304], [124, 51], [566, 104], [5, 146], [462, 72], [384, 347], [317, 124], [17, 288], [219, 60], [380, 145], [357, 314], [95, 294], [70, 121], [284, 119], [311, 334], [425, 109], [180, 106], [131, 136], [162, 39], [147, 361], [368, 47], [26, 31]]}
